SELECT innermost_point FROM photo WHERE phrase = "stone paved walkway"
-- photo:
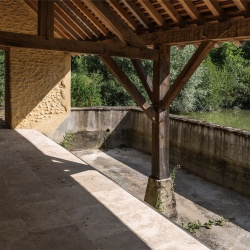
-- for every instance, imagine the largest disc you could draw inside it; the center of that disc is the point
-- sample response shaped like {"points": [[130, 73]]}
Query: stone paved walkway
{"points": [[50, 199]]}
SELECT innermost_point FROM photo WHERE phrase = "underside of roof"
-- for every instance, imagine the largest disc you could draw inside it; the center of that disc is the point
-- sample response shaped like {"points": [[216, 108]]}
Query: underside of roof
{"points": [[108, 19]]}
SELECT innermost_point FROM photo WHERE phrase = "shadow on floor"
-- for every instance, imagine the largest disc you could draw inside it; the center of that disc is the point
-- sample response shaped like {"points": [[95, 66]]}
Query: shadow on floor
{"points": [[43, 207]]}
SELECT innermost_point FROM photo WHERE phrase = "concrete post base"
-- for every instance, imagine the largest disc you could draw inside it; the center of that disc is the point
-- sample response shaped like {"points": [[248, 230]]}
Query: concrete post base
{"points": [[160, 195]]}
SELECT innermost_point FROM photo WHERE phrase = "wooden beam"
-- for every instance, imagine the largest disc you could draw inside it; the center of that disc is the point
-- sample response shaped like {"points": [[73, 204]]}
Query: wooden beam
{"points": [[125, 15], [160, 129], [186, 73], [192, 11], [243, 6], [85, 47], [138, 15], [46, 18], [76, 20], [145, 79], [89, 15], [216, 10], [129, 86], [155, 15], [110, 18], [172, 12], [224, 31]]}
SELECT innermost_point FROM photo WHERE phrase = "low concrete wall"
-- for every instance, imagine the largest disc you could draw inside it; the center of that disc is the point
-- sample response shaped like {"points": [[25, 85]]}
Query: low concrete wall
{"points": [[217, 153]]}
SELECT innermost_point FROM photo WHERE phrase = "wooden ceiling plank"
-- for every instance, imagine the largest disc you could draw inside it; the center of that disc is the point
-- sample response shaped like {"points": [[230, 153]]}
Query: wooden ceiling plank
{"points": [[129, 86], [145, 79], [125, 15], [91, 18], [61, 15], [186, 73], [76, 20], [216, 10], [192, 11], [225, 31], [172, 12], [83, 47], [155, 15], [138, 14], [110, 18], [46, 18]]}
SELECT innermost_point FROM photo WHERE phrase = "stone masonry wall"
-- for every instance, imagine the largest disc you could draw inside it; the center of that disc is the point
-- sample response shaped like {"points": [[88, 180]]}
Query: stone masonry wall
{"points": [[39, 81]]}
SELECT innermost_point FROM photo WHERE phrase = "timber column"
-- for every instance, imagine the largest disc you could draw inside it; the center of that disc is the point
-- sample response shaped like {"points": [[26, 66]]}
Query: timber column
{"points": [[159, 193]]}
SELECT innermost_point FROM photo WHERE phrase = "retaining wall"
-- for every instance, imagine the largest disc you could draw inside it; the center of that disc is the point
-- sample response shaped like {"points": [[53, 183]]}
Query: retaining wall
{"points": [[218, 153]]}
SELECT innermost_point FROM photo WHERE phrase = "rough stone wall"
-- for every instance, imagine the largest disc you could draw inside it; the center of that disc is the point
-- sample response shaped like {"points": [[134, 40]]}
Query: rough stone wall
{"points": [[39, 81]]}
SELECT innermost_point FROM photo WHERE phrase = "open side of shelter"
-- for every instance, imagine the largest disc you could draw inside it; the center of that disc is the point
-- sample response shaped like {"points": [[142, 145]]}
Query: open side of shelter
{"points": [[138, 29]]}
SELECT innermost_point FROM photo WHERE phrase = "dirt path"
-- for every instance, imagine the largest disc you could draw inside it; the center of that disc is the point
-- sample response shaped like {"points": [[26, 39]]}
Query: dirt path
{"points": [[196, 198]]}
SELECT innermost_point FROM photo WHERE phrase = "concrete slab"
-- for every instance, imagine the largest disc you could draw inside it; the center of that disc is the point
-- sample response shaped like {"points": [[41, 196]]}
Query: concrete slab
{"points": [[57, 201]]}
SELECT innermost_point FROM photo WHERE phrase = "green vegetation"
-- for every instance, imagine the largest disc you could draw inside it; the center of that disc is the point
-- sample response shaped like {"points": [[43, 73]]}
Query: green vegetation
{"points": [[192, 227], [67, 140], [1, 78], [222, 80], [173, 175]]}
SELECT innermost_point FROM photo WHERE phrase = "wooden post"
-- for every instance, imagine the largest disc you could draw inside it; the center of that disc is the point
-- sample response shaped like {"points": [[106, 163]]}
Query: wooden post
{"points": [[160, 129], [159, 192], [46, 18]]}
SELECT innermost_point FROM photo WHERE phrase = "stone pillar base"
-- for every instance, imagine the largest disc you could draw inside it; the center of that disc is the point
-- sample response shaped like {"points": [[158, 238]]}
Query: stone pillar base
{"points": [[160, 195]]}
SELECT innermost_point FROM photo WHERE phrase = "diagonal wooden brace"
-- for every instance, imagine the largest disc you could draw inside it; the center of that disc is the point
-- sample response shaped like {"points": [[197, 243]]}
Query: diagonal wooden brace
{"points": [[186, 73], [129, 86], [145, 79]]}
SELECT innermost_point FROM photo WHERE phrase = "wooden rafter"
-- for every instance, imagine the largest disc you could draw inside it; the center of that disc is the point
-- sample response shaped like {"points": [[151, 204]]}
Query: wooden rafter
{"points": [[186, 73], [125, 15], [63, 18], [77, 21], [172, 12], [115, 23], [139, 15], [91, 17], [152, 12], [144, 77], [243, 6], [192, 11], [129, 86], [225, 31], [216, 10], [46, 18], [84, 47]]}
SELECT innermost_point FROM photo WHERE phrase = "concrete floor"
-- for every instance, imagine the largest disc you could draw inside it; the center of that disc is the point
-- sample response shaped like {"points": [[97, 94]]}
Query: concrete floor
{"points": [[196, 198], [50, 199]]}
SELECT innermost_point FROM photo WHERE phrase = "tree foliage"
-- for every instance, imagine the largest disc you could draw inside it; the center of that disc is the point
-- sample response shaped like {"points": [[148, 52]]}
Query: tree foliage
{"points": [[221, 81]]}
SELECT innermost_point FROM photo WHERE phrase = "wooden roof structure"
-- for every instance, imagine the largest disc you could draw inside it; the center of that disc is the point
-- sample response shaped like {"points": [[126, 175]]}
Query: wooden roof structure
{"points": [[128, 27], [139, 29]]}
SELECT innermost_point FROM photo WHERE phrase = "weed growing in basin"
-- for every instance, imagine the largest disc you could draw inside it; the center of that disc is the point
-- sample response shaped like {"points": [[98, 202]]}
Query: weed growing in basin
{"points": [[192, 227], [67, 140], [173, 175]]}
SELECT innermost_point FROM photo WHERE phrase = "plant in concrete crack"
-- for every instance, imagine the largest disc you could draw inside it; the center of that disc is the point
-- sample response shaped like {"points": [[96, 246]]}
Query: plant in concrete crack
{"points": [[173, 175], [67, 140], [159, 202], [192, 227]]}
